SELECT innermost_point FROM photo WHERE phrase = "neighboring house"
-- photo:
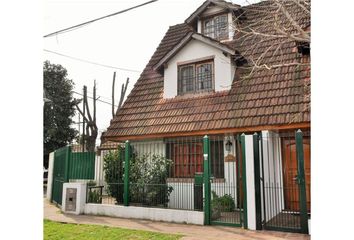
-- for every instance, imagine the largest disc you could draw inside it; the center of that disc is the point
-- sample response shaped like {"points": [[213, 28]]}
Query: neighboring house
{"points": [[200, 81]]}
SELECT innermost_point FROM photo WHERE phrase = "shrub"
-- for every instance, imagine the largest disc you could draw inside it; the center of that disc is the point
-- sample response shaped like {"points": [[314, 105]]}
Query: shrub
{"points": [[113, 168], [94, 197], [223, 204], [148, 175]]}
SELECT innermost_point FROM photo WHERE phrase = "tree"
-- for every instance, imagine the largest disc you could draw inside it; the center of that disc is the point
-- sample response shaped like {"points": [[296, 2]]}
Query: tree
{"points": [[278, 24], [59, 110], [89, 138], [267, 34], [122, 94]]}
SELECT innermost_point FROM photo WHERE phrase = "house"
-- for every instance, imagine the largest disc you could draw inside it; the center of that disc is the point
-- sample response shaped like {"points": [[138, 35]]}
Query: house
{"points": [[222, 73]]}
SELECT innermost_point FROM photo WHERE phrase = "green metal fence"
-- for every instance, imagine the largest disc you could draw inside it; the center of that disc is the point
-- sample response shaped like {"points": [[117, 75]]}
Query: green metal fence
{"points": [[70, 165], [82, 165], [60, 174], [282, 190], [187, 173]]}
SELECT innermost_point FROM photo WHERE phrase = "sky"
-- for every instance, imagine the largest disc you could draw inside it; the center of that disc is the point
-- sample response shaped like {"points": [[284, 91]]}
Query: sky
{"points": [[124, 41]]}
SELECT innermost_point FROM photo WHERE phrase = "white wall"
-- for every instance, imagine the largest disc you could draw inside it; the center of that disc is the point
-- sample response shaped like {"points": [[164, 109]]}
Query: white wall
{"points": [[273, 179], [224, 70], [182, 196], [50, 176], [230, 175], [155, 214], [146, 147], [99, 174], [272, 167]]}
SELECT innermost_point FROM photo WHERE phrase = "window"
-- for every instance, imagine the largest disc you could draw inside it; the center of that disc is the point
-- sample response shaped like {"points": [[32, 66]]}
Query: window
{"points": [[216, 27], [196, 77], [187, 158]]}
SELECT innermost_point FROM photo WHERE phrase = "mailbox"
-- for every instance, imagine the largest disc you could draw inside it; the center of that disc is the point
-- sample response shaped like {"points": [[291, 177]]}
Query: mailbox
{"points": [[198, 191], [70, 200], [74, 197]]}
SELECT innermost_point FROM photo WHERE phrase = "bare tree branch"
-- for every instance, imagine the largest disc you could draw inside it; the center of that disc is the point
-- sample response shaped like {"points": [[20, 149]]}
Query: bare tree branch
{"points": [[114, 81], [82, 114], [123, 92], [303, 34], [94, 101], [86, 105]]}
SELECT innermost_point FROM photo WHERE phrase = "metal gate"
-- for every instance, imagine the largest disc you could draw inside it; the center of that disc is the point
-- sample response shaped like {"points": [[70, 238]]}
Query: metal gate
{"points": [[70, 165], [282, 181], [60, 172], [226, 185]]}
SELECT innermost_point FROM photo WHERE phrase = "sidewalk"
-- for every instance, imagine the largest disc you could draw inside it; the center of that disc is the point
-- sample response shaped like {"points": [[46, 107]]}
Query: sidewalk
{"points": [[191, 232]]}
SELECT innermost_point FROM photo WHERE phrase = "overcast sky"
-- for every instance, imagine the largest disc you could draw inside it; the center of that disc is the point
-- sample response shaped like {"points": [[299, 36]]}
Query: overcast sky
{"points": [[125, 41]]}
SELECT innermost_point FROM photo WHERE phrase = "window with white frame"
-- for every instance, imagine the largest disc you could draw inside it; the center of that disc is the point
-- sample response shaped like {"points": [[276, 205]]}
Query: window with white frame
{"points": [[195, 77], [216, 27]]}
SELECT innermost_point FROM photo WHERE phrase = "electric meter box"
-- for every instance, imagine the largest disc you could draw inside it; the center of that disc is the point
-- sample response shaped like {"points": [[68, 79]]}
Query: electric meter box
{"points": [[74, 196]]}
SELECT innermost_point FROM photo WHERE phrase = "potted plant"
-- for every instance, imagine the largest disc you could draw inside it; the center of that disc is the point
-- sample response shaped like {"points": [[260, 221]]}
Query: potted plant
{"points": [[221, 204]]}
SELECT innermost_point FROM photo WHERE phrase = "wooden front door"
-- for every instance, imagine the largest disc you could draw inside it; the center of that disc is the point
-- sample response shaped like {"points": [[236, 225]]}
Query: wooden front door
{"points": [[291, 188]]}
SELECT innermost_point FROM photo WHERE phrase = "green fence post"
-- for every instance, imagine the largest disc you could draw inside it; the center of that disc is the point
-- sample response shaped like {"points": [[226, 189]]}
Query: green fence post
{"points": [[244, 186], [126, 174], [257, 183], [67, 164], [206, 165], [301, 181]]}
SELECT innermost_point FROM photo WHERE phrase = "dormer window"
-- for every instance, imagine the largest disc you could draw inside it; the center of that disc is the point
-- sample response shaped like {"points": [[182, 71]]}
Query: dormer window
{"points": [[195, 77], [216, 27]]}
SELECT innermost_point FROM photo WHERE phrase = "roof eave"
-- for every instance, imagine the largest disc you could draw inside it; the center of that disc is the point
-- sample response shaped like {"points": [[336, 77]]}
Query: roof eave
{"points": [[185, 40], [173, 51], [199, 10], [213, 43]]}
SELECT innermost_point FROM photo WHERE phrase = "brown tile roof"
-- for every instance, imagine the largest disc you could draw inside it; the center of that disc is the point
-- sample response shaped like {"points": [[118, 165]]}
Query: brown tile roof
{"points": [[269, 97]]}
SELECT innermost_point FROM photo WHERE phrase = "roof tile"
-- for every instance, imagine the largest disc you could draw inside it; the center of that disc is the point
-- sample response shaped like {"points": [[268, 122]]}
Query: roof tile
{"points": [[269, 97]]}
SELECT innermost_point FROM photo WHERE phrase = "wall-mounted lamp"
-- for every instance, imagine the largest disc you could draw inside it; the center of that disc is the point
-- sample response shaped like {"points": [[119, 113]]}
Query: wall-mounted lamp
{"points": [[228, 145]]}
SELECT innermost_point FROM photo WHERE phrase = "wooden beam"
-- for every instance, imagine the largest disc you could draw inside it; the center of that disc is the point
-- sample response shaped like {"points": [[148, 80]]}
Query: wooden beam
{"points": [[303, 125]]}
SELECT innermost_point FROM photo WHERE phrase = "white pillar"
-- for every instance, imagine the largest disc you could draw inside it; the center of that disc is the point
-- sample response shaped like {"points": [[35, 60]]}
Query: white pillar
{"points": [[98, 169], [50, 176], [80, 197], [251, 202]]}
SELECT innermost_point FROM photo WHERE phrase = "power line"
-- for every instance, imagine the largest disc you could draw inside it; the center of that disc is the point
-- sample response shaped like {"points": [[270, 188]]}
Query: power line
{"points": [[94, 63], [96, 99], [94, 20], [104, 97]]}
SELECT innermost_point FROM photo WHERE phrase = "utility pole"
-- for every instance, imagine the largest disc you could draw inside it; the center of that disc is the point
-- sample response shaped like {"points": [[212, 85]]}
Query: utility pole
{"points": [[79, 127]]}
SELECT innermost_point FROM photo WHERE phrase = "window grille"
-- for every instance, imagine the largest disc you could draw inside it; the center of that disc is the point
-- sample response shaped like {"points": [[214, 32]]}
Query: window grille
{"points": [[216, 27], [195, 77]]}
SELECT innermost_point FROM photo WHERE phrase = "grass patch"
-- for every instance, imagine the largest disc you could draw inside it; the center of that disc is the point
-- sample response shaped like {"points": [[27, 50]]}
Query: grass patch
{"points": [[60, 231]]}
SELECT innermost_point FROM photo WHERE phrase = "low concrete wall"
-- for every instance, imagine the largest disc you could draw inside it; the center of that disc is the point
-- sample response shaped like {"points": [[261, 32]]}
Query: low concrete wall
{"points": [[155, 214]]}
